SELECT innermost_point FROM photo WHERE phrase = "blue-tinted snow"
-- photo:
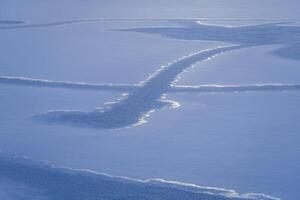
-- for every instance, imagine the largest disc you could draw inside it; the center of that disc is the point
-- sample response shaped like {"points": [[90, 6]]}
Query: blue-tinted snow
{"points": [[135, 106], [132, 109], [50, 182], [262, 34], [127, 88], [11, 22], [243, 141]]}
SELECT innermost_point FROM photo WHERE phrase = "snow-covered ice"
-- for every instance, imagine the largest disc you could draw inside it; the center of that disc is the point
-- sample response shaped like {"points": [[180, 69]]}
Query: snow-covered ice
{"points": [[236, 127], [133, 108], [52, 182]]}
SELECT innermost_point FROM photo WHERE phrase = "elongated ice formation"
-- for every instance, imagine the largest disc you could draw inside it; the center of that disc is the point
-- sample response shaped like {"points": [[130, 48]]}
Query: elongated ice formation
{"points": [[193, 29], [134, 107], [210, 88], [261, 34], [146, 97], [11, 22], [65, 84], [235, 88], [50, 182], [58, 23]]}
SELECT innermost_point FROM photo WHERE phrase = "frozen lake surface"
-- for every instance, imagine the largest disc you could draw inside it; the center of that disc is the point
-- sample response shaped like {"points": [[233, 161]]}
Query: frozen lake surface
{"points": [[213, 103]]}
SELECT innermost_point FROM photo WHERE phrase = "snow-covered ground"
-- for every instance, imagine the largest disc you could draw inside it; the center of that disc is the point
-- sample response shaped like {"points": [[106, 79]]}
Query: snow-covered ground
{"points": [[245, 140]]}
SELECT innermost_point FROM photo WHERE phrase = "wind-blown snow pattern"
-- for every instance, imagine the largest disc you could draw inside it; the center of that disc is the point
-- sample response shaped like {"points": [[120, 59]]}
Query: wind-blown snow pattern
{"points": [[55, 183], [132, 109]]}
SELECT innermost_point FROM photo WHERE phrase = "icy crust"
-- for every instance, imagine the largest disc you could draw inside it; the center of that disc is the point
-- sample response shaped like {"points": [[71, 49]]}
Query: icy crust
{"points": [[58, 183]]}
